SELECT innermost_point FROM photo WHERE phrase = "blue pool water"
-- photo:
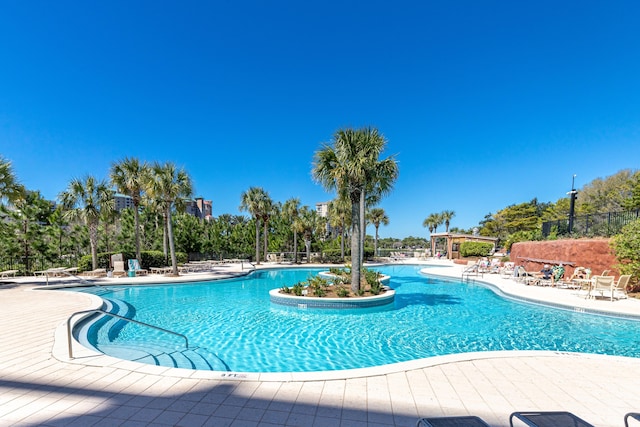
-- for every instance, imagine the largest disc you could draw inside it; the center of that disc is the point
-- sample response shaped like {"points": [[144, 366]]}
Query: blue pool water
{"points": [[233, 325]]}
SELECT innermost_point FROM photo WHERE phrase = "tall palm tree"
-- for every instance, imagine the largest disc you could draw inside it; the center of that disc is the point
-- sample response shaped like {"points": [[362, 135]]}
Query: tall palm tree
{"points": [[168, 185], [257, 202], [351, 166], [85, 200], [446, 217], [129, 177], [291, 211], [377, 216], [10, 189]]}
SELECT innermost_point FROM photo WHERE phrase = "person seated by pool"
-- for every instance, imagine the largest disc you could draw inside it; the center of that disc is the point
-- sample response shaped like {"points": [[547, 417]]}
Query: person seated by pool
{"points": [[579, 273], [546, 272], [558, 273]]}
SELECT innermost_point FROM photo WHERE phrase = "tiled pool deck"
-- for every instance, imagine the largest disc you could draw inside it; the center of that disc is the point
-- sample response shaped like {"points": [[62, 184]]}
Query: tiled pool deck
{"points": [[40, 386]]}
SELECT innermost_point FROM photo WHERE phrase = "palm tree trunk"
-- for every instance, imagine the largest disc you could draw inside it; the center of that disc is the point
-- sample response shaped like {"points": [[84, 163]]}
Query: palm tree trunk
{"points": [[93, 241], [342, 239], [136, 216], [356, 263], [363, 226], [266, 240], [172, 246], [257, 242], [295, 247], [375, 243]]}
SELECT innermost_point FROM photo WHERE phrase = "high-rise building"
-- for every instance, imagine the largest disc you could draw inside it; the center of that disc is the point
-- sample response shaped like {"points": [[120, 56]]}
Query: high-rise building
{"points": [[200, 208], [123, 201]]}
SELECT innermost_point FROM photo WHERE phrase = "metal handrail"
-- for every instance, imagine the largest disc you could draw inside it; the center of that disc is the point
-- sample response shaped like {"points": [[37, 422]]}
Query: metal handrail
{"points": [[99, 310]]}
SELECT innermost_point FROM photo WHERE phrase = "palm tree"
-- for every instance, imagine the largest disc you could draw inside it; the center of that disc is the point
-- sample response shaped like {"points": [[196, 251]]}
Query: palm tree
{"points": [[351, 167], [257, 202], [431, 222], [10, 189], [291, 211], [168, 185], [129, 177], [85, 200], [377, 216], [446, 217], [309, 223], [339, 217]]}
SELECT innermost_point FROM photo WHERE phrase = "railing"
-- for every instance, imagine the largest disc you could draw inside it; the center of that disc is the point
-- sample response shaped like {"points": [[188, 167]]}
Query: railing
{"points": [[117, 316], [604, 224]]}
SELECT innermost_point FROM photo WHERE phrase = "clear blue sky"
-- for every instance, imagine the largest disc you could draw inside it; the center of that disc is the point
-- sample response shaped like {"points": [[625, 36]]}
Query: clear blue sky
{"points": [[485, 104]]}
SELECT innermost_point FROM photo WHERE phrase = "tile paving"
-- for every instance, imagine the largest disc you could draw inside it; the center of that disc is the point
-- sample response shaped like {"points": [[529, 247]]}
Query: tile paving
{"points": [[40, 386]]}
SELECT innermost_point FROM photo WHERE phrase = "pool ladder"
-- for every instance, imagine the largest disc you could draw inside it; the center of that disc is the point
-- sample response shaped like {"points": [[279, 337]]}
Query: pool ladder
{"points": [[106, 313]]}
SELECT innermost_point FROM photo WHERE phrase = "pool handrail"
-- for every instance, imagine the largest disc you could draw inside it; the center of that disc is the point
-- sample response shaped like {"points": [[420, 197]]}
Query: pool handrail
{"points": [[106, 313]]}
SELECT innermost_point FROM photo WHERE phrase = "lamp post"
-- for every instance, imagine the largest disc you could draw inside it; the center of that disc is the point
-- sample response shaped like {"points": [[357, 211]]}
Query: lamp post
{"points": [[572, 204]]}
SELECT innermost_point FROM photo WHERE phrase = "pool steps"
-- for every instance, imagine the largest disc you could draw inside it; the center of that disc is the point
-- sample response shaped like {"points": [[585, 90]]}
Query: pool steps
{"points": [[108, 328]]}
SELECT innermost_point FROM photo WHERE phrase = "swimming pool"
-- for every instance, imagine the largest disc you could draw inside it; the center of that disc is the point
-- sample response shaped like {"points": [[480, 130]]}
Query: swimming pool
{"points": [[232, 326]]}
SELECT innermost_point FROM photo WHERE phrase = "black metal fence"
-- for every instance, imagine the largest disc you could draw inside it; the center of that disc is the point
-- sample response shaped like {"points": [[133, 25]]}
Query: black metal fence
{"points": [[603, 224]]}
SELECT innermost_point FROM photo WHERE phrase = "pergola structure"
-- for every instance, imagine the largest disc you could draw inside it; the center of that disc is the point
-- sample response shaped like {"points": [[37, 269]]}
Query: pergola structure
{"points": [[453, 241]]}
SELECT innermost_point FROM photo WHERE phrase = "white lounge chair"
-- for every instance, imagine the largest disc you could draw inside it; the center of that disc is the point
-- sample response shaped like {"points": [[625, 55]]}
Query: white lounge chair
{"points": [[8, 273], [118, 269]]}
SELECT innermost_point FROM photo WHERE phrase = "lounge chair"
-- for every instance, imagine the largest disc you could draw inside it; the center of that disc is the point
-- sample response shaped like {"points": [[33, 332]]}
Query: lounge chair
{"points": [[134, 266], [472, 269], [98, 272], [544, 419], [634, 415], [8, 273], [464, 421], [508, 269], [118, 269]]}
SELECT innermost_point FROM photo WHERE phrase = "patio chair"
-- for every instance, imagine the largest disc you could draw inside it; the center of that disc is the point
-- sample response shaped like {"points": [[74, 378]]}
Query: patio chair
{"points": [[118, 269], [463, 421], [620, 287], [134, 266], [8, 273], [603, 284], [548, 419]]}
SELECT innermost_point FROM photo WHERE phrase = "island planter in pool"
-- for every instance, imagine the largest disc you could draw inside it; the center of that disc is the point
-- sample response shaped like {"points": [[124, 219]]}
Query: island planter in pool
{"points": [[304, 301]]}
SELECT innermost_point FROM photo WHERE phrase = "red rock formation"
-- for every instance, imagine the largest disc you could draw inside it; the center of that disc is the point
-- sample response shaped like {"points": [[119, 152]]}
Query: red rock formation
{"points": [[595, 254]]}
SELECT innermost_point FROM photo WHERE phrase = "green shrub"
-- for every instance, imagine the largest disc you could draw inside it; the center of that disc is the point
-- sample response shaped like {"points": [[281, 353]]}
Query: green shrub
{"points": [[625, 247], [298, 288], [468, 249], [342, 292]]}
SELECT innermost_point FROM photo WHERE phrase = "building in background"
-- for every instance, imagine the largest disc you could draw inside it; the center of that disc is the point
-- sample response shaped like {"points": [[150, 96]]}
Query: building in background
{"points": [[200, 208], [123, 202]]}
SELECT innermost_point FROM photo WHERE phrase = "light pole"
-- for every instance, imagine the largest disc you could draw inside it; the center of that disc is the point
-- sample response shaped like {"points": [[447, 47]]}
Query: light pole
{"points": [[572, 204]]}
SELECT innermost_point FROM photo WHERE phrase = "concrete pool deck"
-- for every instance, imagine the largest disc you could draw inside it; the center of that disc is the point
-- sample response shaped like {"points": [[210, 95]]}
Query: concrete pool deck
{"points": [[40, 385]]}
